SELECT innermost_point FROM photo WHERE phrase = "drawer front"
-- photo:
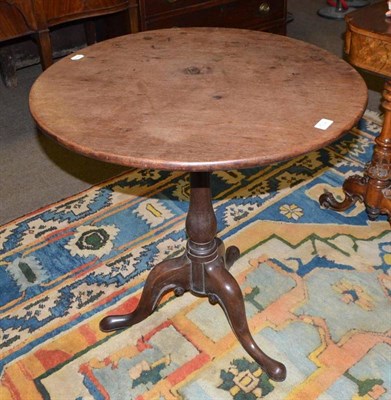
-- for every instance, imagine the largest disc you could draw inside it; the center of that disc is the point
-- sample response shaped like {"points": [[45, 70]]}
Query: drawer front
{"points": [[56, 11], [153, 7], [233, 14]]}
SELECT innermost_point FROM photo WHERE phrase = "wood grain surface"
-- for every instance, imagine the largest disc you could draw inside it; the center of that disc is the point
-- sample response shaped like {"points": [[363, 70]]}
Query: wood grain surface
{"points": [[368, 39], [197, 99]]}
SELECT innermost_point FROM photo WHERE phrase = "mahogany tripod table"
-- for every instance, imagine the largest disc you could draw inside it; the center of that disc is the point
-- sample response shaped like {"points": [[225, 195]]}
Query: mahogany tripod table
{"points": [[368, 46], [198, 100]]}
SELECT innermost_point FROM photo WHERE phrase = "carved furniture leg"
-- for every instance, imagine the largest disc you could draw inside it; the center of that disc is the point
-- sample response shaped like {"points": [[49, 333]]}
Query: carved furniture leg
{"points": [[354, 189], [202, 270], [222, 288], [374, 188], [164, 277]]}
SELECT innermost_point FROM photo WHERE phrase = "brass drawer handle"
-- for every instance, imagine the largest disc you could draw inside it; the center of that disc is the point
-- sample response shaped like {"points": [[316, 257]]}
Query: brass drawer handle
{"points": [[264, 7]]}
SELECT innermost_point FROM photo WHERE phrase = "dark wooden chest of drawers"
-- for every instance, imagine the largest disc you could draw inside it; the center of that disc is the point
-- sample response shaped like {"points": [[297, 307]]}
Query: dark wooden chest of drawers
{"points": [[267, 15]]}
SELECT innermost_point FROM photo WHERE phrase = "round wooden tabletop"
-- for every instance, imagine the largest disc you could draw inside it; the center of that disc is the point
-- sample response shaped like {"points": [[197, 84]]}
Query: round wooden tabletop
{"points": [[198, 99]]}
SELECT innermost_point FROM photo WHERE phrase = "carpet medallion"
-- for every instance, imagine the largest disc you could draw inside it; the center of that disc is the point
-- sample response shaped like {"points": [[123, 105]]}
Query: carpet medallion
{"points": [[316, 285]]}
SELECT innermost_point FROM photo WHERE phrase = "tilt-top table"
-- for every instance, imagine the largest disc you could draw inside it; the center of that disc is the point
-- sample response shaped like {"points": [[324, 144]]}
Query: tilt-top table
{"points": [[199, 100]]}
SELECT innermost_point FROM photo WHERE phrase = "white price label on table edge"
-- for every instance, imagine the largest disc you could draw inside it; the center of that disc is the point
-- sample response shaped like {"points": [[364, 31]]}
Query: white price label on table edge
{"points": [[77, 57], [324, 124]]}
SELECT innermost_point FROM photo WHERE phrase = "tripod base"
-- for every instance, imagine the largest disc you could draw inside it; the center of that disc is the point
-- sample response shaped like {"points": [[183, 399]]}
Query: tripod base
{"points": [[220, 287], [373, 188], [203, 270]]}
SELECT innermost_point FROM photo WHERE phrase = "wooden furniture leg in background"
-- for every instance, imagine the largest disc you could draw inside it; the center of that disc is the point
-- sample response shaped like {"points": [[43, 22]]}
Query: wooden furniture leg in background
{"points": [[43, 34], [133, 15], [90, 32], [202, 270], [8, 67], [45, 48], [374, 187]]}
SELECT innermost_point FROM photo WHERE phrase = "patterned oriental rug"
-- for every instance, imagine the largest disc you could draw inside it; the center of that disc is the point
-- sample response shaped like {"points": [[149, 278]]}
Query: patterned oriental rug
{"points": [[316, 286]]}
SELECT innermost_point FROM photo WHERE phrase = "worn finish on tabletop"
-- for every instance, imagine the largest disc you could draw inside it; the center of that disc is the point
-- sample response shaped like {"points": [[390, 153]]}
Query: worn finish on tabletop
{"points": [[368, 46], [198, 99]]}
